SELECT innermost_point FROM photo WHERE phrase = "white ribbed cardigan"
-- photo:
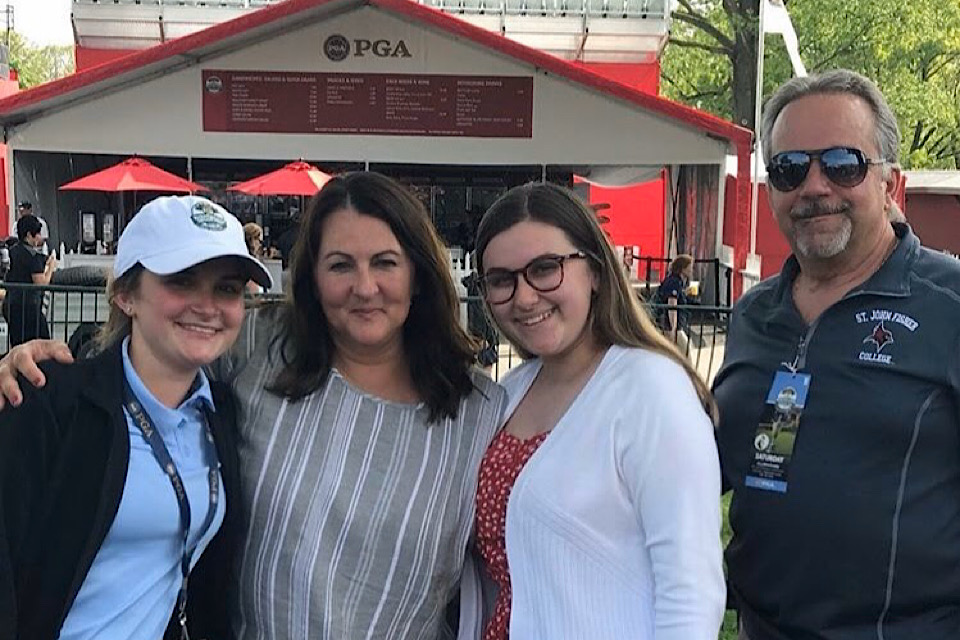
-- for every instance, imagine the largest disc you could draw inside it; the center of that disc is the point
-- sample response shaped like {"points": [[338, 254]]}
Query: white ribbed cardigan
{"points": [[613, 526]]}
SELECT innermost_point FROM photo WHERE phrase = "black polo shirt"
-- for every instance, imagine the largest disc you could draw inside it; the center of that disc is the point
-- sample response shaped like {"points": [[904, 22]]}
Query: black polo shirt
{"points": [[24, 263], [866, 537]]}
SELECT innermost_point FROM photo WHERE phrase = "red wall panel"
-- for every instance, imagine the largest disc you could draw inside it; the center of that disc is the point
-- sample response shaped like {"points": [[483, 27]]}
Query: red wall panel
{"points": [[935, 219], [87, 58], [641, 76], [636, 215]]}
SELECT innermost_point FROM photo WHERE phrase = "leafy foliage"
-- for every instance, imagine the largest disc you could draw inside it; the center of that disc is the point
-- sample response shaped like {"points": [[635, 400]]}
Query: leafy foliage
{"points": [[912, 51], [38, 64]]}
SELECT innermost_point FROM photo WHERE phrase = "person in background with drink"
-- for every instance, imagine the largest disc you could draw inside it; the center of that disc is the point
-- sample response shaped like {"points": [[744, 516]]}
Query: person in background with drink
{"points": [[25, 208], [672, 293], [23, 308]]}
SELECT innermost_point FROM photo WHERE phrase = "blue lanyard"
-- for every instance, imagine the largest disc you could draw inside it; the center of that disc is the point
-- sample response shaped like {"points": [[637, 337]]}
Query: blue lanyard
{"points": [[160, 452]]}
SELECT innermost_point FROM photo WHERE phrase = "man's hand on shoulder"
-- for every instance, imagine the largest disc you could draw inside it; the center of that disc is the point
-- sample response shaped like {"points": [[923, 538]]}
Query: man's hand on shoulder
{"points": [[23, 359]]}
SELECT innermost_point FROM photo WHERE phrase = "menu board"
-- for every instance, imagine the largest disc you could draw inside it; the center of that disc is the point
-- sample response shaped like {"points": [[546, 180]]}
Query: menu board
{"points": [[368, 104]]}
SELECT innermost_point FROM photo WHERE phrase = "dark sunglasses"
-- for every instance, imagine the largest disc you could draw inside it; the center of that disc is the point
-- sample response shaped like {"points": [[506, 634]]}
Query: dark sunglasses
{"points": [[843, 166]]}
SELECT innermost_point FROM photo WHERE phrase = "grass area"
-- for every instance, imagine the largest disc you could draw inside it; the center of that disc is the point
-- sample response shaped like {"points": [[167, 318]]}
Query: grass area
{"points": [[729, 629]]}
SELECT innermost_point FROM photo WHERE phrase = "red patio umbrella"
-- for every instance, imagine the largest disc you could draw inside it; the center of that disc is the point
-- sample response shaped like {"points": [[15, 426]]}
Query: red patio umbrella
{"points": [[295, 179], [133, 174]]}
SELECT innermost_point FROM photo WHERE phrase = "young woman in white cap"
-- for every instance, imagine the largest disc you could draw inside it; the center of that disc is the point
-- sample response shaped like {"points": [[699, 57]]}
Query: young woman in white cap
{"points": [[122, 470]]}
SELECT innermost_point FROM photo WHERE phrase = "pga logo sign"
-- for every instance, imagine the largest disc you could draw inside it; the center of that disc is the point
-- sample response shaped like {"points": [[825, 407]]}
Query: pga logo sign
{"points": [[338, 48]]}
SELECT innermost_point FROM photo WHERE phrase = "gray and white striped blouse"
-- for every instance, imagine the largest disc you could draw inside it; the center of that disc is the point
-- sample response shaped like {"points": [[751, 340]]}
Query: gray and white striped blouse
{"points": [[357, 513]]}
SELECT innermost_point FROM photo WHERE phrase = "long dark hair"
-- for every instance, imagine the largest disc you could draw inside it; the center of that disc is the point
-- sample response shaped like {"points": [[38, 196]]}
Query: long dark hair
{"points": [[439, 351], [616, 316]]}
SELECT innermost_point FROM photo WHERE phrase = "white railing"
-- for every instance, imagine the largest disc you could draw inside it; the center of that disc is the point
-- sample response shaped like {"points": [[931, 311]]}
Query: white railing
{"points": [[649, 9]]}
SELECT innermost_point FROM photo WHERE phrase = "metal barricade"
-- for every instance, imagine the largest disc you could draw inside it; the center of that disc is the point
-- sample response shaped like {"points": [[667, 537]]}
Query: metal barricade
{"points": [[50, 311], [702, 337], [73, 314], [716, 285], [702, 340]]}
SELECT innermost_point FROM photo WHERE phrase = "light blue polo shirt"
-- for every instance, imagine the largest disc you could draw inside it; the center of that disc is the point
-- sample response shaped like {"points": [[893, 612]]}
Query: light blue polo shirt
{"points": [[131, 588]]}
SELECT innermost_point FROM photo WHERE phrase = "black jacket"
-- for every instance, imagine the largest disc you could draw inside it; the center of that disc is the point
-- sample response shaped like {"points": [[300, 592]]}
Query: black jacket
{"points": [[866, 538], [63, 465]]}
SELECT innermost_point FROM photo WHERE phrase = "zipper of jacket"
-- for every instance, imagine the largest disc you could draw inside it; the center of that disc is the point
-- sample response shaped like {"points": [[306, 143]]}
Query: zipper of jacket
{"points": [[800, 358]]}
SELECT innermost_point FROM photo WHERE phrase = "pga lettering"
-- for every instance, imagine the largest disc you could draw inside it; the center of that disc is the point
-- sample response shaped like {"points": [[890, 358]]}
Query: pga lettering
{"points": [[380, 48]]}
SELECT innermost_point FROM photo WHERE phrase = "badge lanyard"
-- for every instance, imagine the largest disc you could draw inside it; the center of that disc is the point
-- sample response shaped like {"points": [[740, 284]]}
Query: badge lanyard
{"points": [[777, 429], [162, 455]]}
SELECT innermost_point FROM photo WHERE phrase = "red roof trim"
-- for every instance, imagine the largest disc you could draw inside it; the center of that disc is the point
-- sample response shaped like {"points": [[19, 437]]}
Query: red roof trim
{"points": [[404, 8]]}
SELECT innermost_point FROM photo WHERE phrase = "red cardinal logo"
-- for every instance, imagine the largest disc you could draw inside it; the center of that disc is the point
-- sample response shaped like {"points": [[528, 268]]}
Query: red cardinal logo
{"points": [[880, 336]]}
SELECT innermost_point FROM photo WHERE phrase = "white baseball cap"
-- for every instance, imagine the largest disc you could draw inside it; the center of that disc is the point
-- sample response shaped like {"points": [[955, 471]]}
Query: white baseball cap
{"points": [[173, 233]]}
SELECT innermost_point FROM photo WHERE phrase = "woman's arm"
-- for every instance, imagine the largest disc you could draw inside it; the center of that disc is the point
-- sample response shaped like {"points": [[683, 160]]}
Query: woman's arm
{"points": [[23, 360], [673, 475]]}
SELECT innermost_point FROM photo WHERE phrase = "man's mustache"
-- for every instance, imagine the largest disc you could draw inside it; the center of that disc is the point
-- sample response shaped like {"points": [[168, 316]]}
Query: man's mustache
{"points": [[814, 208]]}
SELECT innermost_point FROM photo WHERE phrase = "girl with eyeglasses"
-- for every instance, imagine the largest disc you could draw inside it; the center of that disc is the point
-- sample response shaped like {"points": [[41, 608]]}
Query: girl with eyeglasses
{"points": [[598, 507]]}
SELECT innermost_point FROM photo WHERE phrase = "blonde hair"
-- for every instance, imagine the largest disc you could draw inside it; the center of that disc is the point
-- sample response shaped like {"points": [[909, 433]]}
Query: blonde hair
{"points": [[617, 318], [118, 324]]}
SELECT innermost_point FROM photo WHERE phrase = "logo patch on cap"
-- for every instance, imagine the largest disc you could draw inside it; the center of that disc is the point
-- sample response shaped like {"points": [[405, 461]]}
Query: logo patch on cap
{"points": [[208, 216]]}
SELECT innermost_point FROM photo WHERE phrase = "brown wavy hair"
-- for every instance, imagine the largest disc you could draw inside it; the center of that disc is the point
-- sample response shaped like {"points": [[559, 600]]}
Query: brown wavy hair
{"points": [[616, 316], [678, 264], [440, 353]]}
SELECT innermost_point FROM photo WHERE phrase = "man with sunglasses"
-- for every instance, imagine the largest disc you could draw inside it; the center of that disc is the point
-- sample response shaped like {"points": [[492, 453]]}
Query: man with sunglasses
{"points": [[846, 518]]}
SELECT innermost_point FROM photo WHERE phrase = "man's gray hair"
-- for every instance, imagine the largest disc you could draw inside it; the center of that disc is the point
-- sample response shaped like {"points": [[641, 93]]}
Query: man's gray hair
{"points": [[838, 81], [894, 214]]}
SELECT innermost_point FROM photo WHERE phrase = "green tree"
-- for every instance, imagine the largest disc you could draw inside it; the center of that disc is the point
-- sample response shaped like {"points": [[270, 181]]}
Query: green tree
{"points": [[38, 64], [711, 58], [912, 51]]}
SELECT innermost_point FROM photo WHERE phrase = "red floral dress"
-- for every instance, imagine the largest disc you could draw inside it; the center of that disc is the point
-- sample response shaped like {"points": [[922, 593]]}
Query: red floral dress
{"points": [[499, 469]]}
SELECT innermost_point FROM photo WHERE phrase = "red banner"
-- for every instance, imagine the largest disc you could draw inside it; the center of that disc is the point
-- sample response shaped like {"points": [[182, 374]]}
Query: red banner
{"points": [[368, 104]]}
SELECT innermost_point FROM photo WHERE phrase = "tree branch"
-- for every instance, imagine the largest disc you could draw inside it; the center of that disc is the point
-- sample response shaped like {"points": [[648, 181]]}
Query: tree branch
{"points": [[688, 98], [692, 44], [689, 8], [693, 97], [731, 8], [917, 132], [948, 153], [704, 25], [944, 59], [826, 63], [926, 137], [937, 148]]}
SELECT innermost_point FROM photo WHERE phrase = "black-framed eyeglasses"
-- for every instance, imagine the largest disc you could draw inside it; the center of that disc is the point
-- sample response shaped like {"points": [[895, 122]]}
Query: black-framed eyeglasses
{"points": [[843, 166], [543, 273]]}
